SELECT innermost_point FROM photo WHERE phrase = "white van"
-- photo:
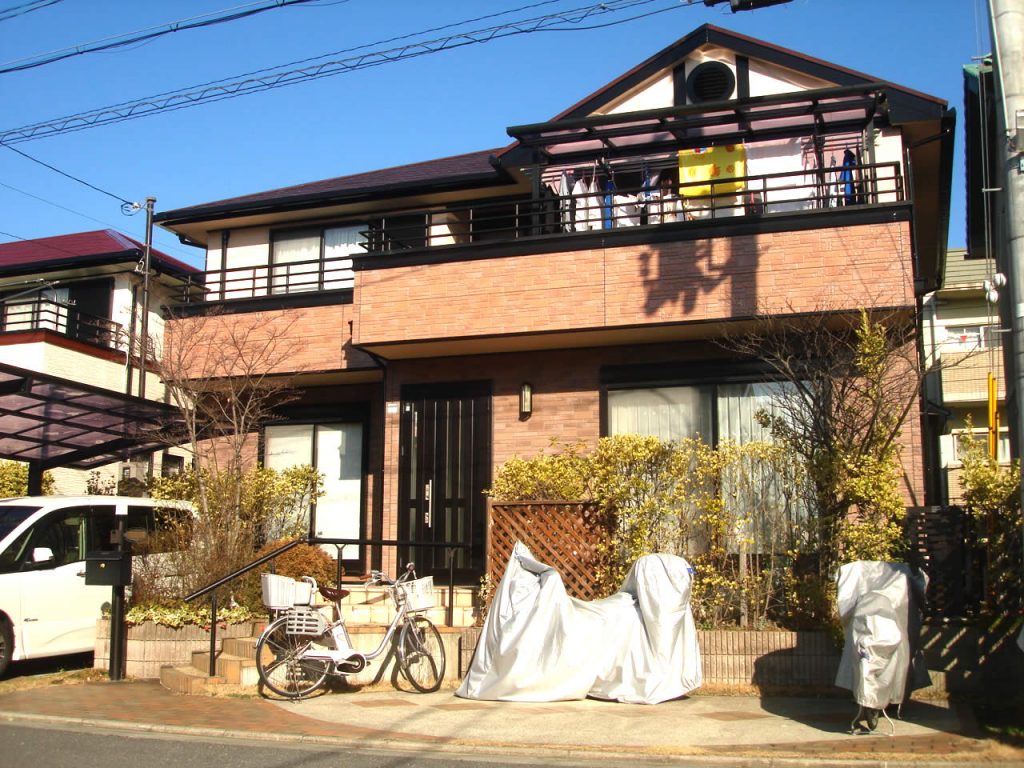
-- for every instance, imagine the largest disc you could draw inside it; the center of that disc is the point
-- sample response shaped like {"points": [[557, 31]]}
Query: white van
{"points": [[46, 608]]}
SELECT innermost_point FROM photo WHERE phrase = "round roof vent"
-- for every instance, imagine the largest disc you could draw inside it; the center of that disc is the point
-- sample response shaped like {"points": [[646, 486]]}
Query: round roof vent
{"points": [[710, 81]]}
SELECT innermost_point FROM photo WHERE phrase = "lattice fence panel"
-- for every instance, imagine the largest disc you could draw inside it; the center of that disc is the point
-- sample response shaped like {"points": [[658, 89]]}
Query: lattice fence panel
{"points": [[562, 534], [938, 539]]}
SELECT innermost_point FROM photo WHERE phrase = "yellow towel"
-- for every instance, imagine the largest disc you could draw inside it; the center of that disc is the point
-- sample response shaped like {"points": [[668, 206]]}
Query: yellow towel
{"points": [[711, 164]]}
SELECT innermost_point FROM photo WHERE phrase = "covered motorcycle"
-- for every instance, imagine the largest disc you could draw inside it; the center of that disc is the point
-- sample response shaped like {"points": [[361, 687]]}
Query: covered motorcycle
{"points": [[880, 607], [539, 644]]}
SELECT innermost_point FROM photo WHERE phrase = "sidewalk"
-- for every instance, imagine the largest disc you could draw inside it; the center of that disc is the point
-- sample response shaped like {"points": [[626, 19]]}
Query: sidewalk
{"points": [[700, 729]]}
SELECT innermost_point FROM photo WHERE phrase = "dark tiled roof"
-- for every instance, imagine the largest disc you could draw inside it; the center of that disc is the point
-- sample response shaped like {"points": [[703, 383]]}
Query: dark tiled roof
{"points": [[47, 252], [474, 165]]}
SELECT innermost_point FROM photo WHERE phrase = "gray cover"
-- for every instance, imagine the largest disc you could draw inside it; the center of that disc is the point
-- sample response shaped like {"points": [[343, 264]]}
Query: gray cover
{"points": [[880, 609], [539, 644]]}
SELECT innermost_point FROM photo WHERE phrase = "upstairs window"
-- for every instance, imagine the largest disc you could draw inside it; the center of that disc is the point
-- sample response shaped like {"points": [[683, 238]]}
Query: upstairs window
{"points": [[969, 338], [315, 259]]}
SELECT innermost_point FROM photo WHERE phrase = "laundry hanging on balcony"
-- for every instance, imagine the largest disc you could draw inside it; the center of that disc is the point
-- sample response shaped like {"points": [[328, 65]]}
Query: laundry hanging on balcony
{"points": [[587, 204], [714, 165]]}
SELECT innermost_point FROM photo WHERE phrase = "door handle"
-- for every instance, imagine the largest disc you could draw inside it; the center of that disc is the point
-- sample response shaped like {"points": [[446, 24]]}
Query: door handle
{"points": [[428, 493]]}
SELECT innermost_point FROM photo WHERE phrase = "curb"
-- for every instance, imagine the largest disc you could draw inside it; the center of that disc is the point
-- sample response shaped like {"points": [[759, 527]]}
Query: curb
{"points": [[408, 743]]}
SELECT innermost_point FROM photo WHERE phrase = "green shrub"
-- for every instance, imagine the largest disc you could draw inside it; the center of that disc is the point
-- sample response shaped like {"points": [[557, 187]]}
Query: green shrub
{"points": [[992, 496], [559, 476], [738, 513], [14, 479]]}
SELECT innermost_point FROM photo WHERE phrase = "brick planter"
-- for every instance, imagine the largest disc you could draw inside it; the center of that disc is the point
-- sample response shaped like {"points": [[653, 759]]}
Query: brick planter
{"points": [[152, 646]]}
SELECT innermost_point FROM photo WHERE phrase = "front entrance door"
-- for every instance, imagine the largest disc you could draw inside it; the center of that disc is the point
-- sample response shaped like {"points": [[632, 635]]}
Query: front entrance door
{"points": [[444, 468]]}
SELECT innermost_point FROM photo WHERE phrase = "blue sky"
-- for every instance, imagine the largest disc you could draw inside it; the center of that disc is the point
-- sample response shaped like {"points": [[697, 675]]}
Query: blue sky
{"points": [[441, 104]]}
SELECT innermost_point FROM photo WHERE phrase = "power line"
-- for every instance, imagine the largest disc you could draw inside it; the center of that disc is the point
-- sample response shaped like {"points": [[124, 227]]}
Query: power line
{"points": [[56, 205], [149, 33], [229, 88], [68, 175], [21, 10]]}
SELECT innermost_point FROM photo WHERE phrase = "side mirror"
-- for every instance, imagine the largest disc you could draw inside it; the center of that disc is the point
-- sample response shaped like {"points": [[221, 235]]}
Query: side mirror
{"points": [[42, 555]]}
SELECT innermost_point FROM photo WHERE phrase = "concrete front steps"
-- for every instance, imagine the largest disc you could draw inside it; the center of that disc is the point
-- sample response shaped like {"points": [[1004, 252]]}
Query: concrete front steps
{"points": [[368, 612], [235, 667]]}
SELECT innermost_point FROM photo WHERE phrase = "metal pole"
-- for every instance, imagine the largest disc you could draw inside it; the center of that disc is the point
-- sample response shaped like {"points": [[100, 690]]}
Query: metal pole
{"points": [[144, 328], [1007, 18], [213, 634], [118, 635]]}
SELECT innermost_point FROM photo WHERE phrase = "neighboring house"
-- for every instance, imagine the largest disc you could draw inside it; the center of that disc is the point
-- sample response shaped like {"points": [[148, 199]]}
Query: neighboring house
{"points": [[963, 340], [454, 313], [71, 307]]}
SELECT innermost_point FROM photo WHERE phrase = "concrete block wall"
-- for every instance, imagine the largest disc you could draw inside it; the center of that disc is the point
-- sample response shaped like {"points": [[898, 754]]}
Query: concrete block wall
{"points": [[151, 647]]}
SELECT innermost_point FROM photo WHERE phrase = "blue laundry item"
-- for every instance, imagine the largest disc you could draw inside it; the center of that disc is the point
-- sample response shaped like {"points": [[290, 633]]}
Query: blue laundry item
{"points": [[606, 207], [846, 176]]}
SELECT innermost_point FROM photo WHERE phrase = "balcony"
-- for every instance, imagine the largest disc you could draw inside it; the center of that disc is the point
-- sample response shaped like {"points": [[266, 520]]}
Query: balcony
{"points": [[563, 222], [965, 375], [26, 315]]}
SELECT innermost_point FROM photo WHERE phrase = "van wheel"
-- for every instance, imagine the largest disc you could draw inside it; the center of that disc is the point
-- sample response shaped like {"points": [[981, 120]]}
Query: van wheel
{"points": [[6, 645]]}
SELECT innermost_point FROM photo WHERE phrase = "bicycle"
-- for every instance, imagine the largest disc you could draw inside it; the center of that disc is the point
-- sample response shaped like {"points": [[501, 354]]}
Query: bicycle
{"points": [[299, 650]]}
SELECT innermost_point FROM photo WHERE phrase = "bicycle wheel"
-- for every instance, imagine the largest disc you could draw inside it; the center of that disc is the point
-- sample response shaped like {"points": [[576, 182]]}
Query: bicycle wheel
{"points": [[421, 654], [280, 666]]}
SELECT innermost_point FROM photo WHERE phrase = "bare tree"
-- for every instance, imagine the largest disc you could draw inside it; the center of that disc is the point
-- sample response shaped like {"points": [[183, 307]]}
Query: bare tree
{"points": [[852, 380], [226, 374]]}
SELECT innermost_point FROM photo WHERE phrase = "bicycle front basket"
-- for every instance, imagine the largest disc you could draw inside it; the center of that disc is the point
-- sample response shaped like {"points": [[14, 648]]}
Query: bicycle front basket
{"points": [[304, 621], [418, 593]]}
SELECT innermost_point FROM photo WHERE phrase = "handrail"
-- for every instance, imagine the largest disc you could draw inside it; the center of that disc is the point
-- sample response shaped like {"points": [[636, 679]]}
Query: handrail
{"points": [[211, 589], [243, 570], [43, 314]]}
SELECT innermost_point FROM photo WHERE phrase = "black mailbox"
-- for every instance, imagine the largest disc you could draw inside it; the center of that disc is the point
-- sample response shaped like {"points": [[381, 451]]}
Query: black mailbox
{"points": [[109, 569]]}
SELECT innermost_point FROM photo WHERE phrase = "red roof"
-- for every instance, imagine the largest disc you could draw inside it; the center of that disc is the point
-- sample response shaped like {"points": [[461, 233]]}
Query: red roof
{"points": [[52, 251]]}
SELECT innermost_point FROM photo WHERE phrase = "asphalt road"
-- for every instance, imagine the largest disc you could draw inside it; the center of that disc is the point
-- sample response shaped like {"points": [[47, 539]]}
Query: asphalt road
{"points": [[22, 745]]}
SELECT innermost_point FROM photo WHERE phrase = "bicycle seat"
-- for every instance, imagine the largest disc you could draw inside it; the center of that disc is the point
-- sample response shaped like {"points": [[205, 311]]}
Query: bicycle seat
{"points": [[334, 595]]}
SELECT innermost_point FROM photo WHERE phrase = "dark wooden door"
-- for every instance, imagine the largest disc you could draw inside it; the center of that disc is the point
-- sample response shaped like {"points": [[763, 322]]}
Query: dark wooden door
{"points": [[444, 468]]}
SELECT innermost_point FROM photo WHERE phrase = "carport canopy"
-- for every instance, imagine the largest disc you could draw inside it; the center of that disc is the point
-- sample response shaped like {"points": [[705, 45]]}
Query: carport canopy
{"points": [[52, 422]]}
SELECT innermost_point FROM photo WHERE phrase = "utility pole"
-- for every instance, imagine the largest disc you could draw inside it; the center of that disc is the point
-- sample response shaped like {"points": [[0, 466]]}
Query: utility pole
{"points": [[144, 325], [1007, 19]]}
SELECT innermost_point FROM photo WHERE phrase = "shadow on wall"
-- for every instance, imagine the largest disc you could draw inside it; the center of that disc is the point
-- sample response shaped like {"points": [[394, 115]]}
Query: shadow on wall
{"points": [[721, 271]]}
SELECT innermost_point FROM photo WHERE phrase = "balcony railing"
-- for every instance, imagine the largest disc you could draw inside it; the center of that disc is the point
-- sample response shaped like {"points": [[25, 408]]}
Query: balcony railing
{"points": [[565, 216], [64, 319], [624, 207], [247, 282]]}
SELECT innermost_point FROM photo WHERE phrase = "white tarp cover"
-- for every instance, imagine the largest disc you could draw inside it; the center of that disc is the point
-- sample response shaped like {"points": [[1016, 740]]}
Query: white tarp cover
{"points": [[539, 644], [880, 609]]}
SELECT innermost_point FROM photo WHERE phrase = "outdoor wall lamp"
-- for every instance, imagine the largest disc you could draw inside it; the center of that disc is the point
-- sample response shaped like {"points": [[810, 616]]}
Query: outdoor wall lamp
{"points": [[525, 400]]}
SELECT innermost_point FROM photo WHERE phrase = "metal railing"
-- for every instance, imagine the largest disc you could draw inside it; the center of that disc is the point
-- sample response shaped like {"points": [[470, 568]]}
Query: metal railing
{"points": [[35, 314], [550, 215], [211, 589]]}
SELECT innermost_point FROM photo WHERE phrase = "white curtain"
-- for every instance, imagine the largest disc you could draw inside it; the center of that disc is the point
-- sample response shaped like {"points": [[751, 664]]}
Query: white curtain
{"points": [[669, 413], [340, 244], [290, 274]]}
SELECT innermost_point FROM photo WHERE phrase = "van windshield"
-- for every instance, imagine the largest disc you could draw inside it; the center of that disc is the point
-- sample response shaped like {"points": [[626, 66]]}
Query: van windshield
{"points": [[12, 516]]}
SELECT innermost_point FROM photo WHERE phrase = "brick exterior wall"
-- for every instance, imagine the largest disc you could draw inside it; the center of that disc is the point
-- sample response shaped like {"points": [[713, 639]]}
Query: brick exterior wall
{"points": [[695, 283], [686, 281], [305, 340]]}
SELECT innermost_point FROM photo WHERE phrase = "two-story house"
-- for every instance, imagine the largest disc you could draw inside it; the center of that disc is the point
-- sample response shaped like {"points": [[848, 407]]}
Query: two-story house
{"points": [[71, 308], [963, 343], [450, 314]]}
